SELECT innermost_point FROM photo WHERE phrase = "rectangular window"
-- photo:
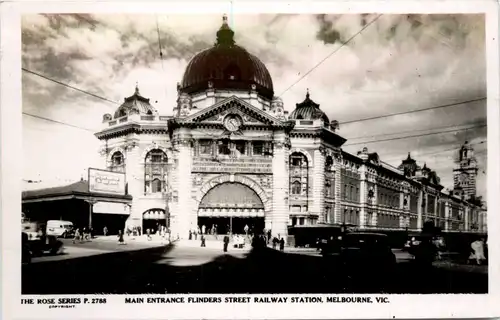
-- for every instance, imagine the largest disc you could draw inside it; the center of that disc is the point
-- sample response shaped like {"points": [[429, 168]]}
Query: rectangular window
{"points": [[357, 195], [258, 148], [205, 147], [240, 147], [301, 221], [223, 148]]}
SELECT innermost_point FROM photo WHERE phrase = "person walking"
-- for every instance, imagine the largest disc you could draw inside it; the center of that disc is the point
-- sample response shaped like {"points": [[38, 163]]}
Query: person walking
{"points": [[105, 231], [77, 235], [275, 242], [478, 251], [246, 229], [203, 244], [226, 242], [120, 237], [148, 232], [282, 244]]}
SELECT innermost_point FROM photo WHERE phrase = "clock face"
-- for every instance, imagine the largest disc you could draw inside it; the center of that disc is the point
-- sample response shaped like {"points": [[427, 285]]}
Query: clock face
{"points": [[232, 123]]}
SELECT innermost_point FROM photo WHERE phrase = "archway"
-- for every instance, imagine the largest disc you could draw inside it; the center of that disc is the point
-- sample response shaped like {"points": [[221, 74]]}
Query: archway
{"points": [[231, 207], [153, 219]]}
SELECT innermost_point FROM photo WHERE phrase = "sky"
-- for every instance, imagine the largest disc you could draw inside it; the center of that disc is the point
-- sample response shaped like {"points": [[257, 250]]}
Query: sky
{"points": [[398, 63]]}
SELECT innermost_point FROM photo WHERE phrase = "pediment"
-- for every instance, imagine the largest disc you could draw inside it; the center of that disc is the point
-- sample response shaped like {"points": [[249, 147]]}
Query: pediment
{"points": [[249, 114]]}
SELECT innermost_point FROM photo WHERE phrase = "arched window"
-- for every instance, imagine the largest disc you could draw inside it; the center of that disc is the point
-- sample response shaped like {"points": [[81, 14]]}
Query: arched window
{"points": [[155, 172], [299, 172], [296, 188], [329, 178], [117, 162]]}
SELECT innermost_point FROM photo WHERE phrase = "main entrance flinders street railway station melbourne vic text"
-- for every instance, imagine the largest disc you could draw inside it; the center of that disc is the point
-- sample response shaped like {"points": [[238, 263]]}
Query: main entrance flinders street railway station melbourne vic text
{"points": [[230, 157]]}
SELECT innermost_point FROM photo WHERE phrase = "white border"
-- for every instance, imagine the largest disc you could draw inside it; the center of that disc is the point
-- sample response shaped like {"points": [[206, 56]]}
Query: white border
{"points": [[407, 306]]}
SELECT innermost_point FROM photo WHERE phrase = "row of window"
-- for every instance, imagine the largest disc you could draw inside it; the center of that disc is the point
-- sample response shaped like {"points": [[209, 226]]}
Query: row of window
{"points": [[388, 197], [350, 192], [239, 147]]}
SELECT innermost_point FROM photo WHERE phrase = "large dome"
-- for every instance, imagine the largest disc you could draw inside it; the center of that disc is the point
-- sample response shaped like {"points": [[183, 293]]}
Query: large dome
{"points": [[226, 66]]}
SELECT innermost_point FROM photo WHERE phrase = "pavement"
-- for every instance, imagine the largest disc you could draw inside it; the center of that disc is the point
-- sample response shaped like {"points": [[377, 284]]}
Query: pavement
{"points": [[141, 266]]}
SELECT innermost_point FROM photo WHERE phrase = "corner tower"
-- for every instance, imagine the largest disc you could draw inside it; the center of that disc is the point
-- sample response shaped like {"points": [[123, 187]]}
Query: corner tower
{"points": [[465, 172]]}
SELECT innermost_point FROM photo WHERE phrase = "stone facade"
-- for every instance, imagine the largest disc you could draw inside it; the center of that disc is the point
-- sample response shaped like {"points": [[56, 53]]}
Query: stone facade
{"points": [[281, 170]]}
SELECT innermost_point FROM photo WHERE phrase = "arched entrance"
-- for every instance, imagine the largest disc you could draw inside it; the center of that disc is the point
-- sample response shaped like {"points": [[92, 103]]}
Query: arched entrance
{"points": [[229, 207], [152, 219]]}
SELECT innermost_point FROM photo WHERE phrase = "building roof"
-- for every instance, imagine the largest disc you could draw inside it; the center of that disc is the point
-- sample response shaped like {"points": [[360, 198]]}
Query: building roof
{"points": [[226, 66], [76, 189], [308, 110], [135, 104]]}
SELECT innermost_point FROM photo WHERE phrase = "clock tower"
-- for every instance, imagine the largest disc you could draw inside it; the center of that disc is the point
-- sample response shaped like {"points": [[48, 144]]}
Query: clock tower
{"points": [[465, 172]]}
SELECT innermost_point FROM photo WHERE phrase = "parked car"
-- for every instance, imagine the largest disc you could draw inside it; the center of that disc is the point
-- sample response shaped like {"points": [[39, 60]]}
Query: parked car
{"points": [[37, 241], [60, 228], [359, 250]]}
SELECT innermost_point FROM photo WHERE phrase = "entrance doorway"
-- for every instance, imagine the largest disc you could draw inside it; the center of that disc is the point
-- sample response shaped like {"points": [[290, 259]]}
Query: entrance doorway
{"points": [[234, 225], [113, 222], [231, 206], [153, 219]]}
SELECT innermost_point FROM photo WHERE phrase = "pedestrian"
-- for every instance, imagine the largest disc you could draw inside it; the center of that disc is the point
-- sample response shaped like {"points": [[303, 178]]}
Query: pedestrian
{"points": [[105, 231], [190, 234], [139, 229], [268, 236], [226, 242], [77, 235], [203, 229], [246, 229], [203, 244], [148, 232], [120, 237], [478, 251], [275, 242], [195, 235], [282, 244]]}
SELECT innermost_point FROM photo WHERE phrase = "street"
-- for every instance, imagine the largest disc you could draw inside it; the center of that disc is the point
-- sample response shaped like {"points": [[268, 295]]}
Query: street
{"points": [[107, 267]]}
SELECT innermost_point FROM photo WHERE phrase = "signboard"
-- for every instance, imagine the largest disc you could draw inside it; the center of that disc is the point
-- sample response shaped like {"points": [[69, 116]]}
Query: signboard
{"points": [[108, 182], [232, 165], [111, 208]]}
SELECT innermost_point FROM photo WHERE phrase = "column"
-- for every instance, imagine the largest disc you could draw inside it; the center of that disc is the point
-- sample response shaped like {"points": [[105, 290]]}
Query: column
{"points": [[182, 212], [466, 218], [279, 215], [134, 175], [338, 190], [404, 211], [363, 196], [318, 187], [375, 202], [446, 216], [420, 223]]}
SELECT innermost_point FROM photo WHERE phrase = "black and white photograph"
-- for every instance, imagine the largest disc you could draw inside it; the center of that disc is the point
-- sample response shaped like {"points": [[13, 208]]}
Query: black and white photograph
{"points": [[253, 153]]}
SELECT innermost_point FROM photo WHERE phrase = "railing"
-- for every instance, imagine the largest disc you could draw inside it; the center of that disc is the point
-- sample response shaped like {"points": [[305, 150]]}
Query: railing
{"points": [[141, 118]]}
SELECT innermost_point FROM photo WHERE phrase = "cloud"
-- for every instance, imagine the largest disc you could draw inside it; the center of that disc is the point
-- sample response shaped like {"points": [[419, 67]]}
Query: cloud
{"points": [[399, 63]]}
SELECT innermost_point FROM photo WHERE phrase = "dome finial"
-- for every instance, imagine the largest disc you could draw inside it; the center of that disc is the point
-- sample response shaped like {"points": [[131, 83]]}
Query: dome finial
{"points": [[225, 36], [137, 88], [307, 94]]}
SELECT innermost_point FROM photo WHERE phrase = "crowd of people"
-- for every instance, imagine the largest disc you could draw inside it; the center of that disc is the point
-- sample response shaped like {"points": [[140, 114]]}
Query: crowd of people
{"points": [[238, 240]]}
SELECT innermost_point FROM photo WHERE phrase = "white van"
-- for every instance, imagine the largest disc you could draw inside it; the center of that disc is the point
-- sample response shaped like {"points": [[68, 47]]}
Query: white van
{"points": [[60, 228]]}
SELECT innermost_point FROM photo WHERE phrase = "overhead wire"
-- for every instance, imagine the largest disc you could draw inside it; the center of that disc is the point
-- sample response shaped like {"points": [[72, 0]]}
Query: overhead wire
{"points": [[331, 54], [415, 110], [411, 131], [413, 136], [68, 86]]}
